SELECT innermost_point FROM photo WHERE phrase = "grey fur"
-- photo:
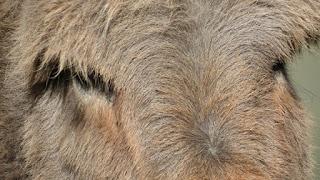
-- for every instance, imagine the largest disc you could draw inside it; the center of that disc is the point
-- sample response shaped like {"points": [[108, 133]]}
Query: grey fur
{"points": [[174, 89]]}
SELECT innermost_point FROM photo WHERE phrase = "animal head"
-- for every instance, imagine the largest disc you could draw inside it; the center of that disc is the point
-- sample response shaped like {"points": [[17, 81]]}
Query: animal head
{"points": [[163, 89]]}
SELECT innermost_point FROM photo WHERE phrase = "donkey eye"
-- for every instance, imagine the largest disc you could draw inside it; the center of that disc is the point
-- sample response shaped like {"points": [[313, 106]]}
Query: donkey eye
{"points": [[279, 66], [95, 83], [48, 79]]}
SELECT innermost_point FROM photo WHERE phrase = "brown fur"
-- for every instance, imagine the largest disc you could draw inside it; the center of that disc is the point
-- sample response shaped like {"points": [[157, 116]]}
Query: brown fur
{"points": [[121, 89]]}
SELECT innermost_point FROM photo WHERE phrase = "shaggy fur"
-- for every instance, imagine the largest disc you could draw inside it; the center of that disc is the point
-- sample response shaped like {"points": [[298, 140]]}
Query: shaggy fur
{"points": [[173, 89]]}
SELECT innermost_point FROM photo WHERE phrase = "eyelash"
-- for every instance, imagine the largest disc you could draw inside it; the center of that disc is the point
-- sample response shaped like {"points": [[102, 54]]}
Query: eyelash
{"points": [[95, 82], [50, 79]]}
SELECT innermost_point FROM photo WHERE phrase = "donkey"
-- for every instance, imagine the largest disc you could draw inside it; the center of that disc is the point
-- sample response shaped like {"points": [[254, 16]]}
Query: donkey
{"points": [[144, 89]]}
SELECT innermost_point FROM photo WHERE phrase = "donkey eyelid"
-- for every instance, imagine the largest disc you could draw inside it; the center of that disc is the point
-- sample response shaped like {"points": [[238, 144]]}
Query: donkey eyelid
{"points": [[96, 83]]}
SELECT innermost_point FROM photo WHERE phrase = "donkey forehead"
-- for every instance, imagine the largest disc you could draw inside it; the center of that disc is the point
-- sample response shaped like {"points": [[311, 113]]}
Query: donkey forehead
{"points": [[118, 35]]}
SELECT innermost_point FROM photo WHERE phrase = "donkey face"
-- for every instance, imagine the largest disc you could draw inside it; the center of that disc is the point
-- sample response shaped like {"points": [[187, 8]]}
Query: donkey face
{"points": [[162, 90]]}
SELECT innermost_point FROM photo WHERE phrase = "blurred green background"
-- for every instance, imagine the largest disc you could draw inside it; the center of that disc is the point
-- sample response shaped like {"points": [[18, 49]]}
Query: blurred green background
{"points": [[305, 76]]}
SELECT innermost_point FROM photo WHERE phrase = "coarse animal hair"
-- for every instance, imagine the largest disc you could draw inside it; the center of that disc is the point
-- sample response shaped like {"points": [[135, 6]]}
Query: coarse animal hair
{"points": [[144, 89]]}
